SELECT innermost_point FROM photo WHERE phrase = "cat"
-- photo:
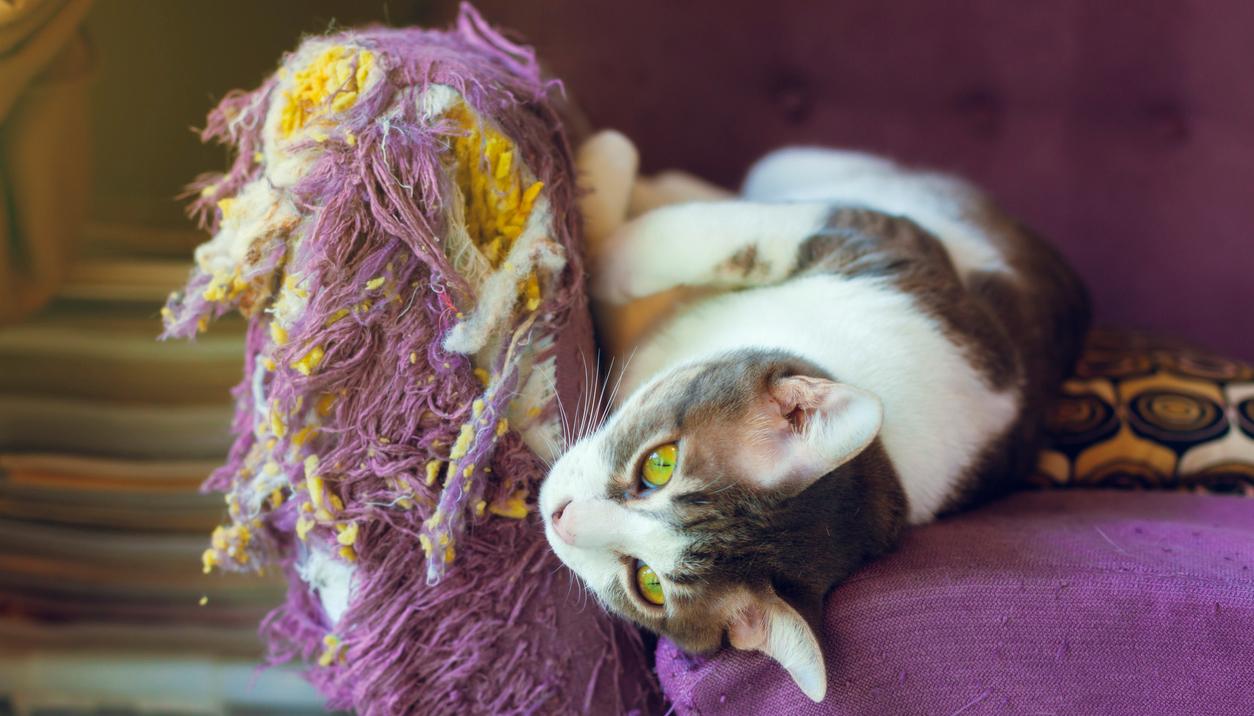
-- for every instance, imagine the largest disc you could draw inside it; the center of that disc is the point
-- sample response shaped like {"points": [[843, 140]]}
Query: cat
{"points": [[875, 348]]}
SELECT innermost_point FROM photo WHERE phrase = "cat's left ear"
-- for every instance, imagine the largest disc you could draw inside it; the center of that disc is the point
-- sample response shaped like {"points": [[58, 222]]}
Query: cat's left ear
{"points": [[765, 622], [813, 426]]}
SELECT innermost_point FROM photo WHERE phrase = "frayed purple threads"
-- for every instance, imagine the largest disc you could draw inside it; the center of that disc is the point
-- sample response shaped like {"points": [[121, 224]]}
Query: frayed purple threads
{"points": [[348, 397]]}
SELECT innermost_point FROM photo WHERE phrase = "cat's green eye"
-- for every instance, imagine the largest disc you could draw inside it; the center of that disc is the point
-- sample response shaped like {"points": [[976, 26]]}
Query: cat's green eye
{"points": [[649, 584], [659, 465]]}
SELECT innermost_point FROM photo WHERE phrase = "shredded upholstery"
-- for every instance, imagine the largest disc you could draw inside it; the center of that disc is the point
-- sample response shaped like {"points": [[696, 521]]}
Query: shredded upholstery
{"points": [[398, 227]]}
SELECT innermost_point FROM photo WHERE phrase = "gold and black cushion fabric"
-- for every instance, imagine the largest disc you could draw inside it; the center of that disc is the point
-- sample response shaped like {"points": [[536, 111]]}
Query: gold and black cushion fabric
{"points": [[1143, 411]]}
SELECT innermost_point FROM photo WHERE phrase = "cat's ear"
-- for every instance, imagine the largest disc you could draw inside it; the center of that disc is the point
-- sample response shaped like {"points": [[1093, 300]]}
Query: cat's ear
{"points": [[813, 426], [764, 622]]}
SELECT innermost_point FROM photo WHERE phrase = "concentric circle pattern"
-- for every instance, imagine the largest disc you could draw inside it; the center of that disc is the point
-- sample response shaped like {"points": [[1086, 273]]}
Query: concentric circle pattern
{"points": [[1081, 420], [1245, 416], [1142, 407], [1176, 417]]}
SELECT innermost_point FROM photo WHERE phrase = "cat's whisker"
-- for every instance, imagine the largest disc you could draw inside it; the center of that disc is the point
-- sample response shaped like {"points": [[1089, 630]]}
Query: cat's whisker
{"points": [[618, 383], [583, 397], [590, 406], [590, 390], [563, 421], [607, 397], [563, 428], [599, 395], [605, 401], [552, 449], [594, 379], [584, 602]]}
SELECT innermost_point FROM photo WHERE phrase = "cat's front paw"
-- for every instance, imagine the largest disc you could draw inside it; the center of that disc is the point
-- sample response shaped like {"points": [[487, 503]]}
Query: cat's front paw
{"points": [[610, 283], [648, 255]]}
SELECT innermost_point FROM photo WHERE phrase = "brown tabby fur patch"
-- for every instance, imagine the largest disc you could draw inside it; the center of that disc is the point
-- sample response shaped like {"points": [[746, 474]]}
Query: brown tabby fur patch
{"points": [[1023, 331]]}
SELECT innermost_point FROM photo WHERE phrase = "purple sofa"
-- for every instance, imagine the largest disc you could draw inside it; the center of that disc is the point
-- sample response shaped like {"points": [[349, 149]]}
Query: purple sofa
{"points": [[1122, 130]]}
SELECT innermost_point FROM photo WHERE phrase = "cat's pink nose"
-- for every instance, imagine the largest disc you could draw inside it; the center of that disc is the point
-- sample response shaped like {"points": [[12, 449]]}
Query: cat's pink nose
{"points": [[562, 531]]}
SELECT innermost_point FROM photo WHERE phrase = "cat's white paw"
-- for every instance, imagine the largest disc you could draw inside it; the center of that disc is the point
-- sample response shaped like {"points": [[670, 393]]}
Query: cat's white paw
{"points": [[609, 283], [655, 252]]}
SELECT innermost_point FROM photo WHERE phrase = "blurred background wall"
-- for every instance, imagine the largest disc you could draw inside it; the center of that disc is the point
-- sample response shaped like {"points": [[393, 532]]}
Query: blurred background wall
{"points": [[1123, 131], [162, 65]]}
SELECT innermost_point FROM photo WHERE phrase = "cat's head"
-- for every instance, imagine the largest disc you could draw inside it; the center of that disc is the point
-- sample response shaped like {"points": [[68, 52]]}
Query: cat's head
{"points": [[723, 499]]}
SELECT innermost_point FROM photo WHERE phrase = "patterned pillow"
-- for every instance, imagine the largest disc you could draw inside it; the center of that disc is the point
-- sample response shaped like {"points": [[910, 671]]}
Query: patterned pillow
{"points": [[1144, 412]]}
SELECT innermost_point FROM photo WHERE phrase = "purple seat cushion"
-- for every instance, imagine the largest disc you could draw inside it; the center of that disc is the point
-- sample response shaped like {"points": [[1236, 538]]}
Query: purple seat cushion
{"points": [[1049, 602]]}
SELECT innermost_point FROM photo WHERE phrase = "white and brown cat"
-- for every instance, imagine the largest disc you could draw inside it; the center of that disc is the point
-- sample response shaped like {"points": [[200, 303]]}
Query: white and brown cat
{"points": [[873, 348]]}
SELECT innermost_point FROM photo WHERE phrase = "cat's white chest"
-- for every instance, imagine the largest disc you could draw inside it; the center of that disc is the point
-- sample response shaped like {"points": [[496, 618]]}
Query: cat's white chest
{"points": [[939, 415]]}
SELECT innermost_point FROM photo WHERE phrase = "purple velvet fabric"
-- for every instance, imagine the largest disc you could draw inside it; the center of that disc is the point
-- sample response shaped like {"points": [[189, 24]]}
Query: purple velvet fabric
{"points": [[1045, 603], [1124, 131]]}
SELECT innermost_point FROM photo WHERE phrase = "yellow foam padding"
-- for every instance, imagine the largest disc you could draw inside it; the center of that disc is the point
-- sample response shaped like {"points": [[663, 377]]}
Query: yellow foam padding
{"points": [[491, 181], [339, 74]]}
